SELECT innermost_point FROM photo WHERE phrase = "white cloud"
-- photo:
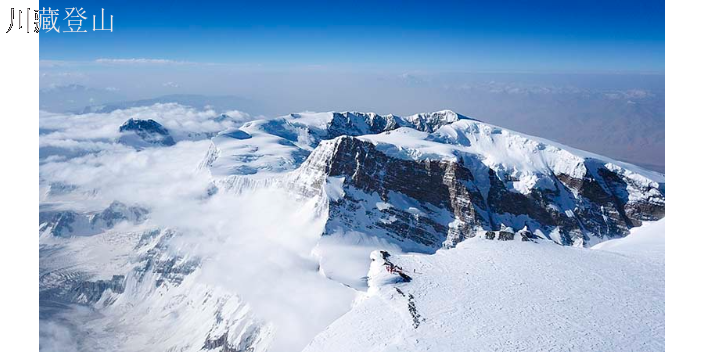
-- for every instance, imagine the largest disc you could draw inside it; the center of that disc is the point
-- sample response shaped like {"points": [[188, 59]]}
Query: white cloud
{"points": [[56, 337], [53, 63], [101, 127], [82, 150], [62, 75], [139, 61], [269, 264]]}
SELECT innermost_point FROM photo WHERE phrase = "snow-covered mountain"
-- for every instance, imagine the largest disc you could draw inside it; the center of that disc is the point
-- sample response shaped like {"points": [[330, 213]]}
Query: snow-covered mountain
{"points": [[72, 223], [271, 146], [145, 133], [342, 231], [430, 180]]}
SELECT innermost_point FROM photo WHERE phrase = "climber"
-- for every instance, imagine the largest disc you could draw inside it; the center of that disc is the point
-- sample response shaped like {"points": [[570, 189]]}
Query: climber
{"points": [[390, 268]]}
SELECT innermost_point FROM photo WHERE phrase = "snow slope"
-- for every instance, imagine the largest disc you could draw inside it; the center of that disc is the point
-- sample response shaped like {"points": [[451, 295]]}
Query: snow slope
{"points": [[647, 240], [512, 296]]}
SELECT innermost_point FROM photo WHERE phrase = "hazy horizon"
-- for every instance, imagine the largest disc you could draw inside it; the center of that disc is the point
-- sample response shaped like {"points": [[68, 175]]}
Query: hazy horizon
{"points": [[619, 115]]}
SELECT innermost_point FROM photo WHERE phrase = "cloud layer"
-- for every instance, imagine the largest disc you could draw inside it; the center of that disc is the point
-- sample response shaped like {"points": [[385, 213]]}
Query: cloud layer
{"points": [[256, 245], [133, 61]]}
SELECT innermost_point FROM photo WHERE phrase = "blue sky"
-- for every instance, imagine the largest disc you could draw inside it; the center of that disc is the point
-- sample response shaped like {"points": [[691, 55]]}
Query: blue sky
{"points": [[548, 36]]}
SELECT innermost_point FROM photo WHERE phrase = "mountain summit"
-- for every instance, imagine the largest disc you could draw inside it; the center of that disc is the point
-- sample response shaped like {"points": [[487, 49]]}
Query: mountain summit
{"points": [[431, 180], [144, 133]]}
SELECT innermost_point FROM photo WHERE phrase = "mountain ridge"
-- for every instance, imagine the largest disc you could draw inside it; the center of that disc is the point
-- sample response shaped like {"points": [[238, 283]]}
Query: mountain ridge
{"points": [[503, 178]]}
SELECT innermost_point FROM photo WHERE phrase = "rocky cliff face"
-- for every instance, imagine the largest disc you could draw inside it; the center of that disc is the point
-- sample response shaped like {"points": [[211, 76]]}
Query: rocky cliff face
{"points": [[424, 204], [407, 201], [431, 122], [434, 179], [357, 124]]}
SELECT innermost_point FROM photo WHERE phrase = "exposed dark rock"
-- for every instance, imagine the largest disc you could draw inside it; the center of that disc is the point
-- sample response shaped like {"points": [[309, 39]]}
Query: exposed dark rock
{"points": [[149, 131], [357, 124], [412, 309], [393, 268], [93, 290], [598, 210], [438, 187], [221, 344], [649, 208], [118, 212], [505, 236], [71, 223], [79, 290], [526, 235], [428, 204], [168, 267], [431, 122]]}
